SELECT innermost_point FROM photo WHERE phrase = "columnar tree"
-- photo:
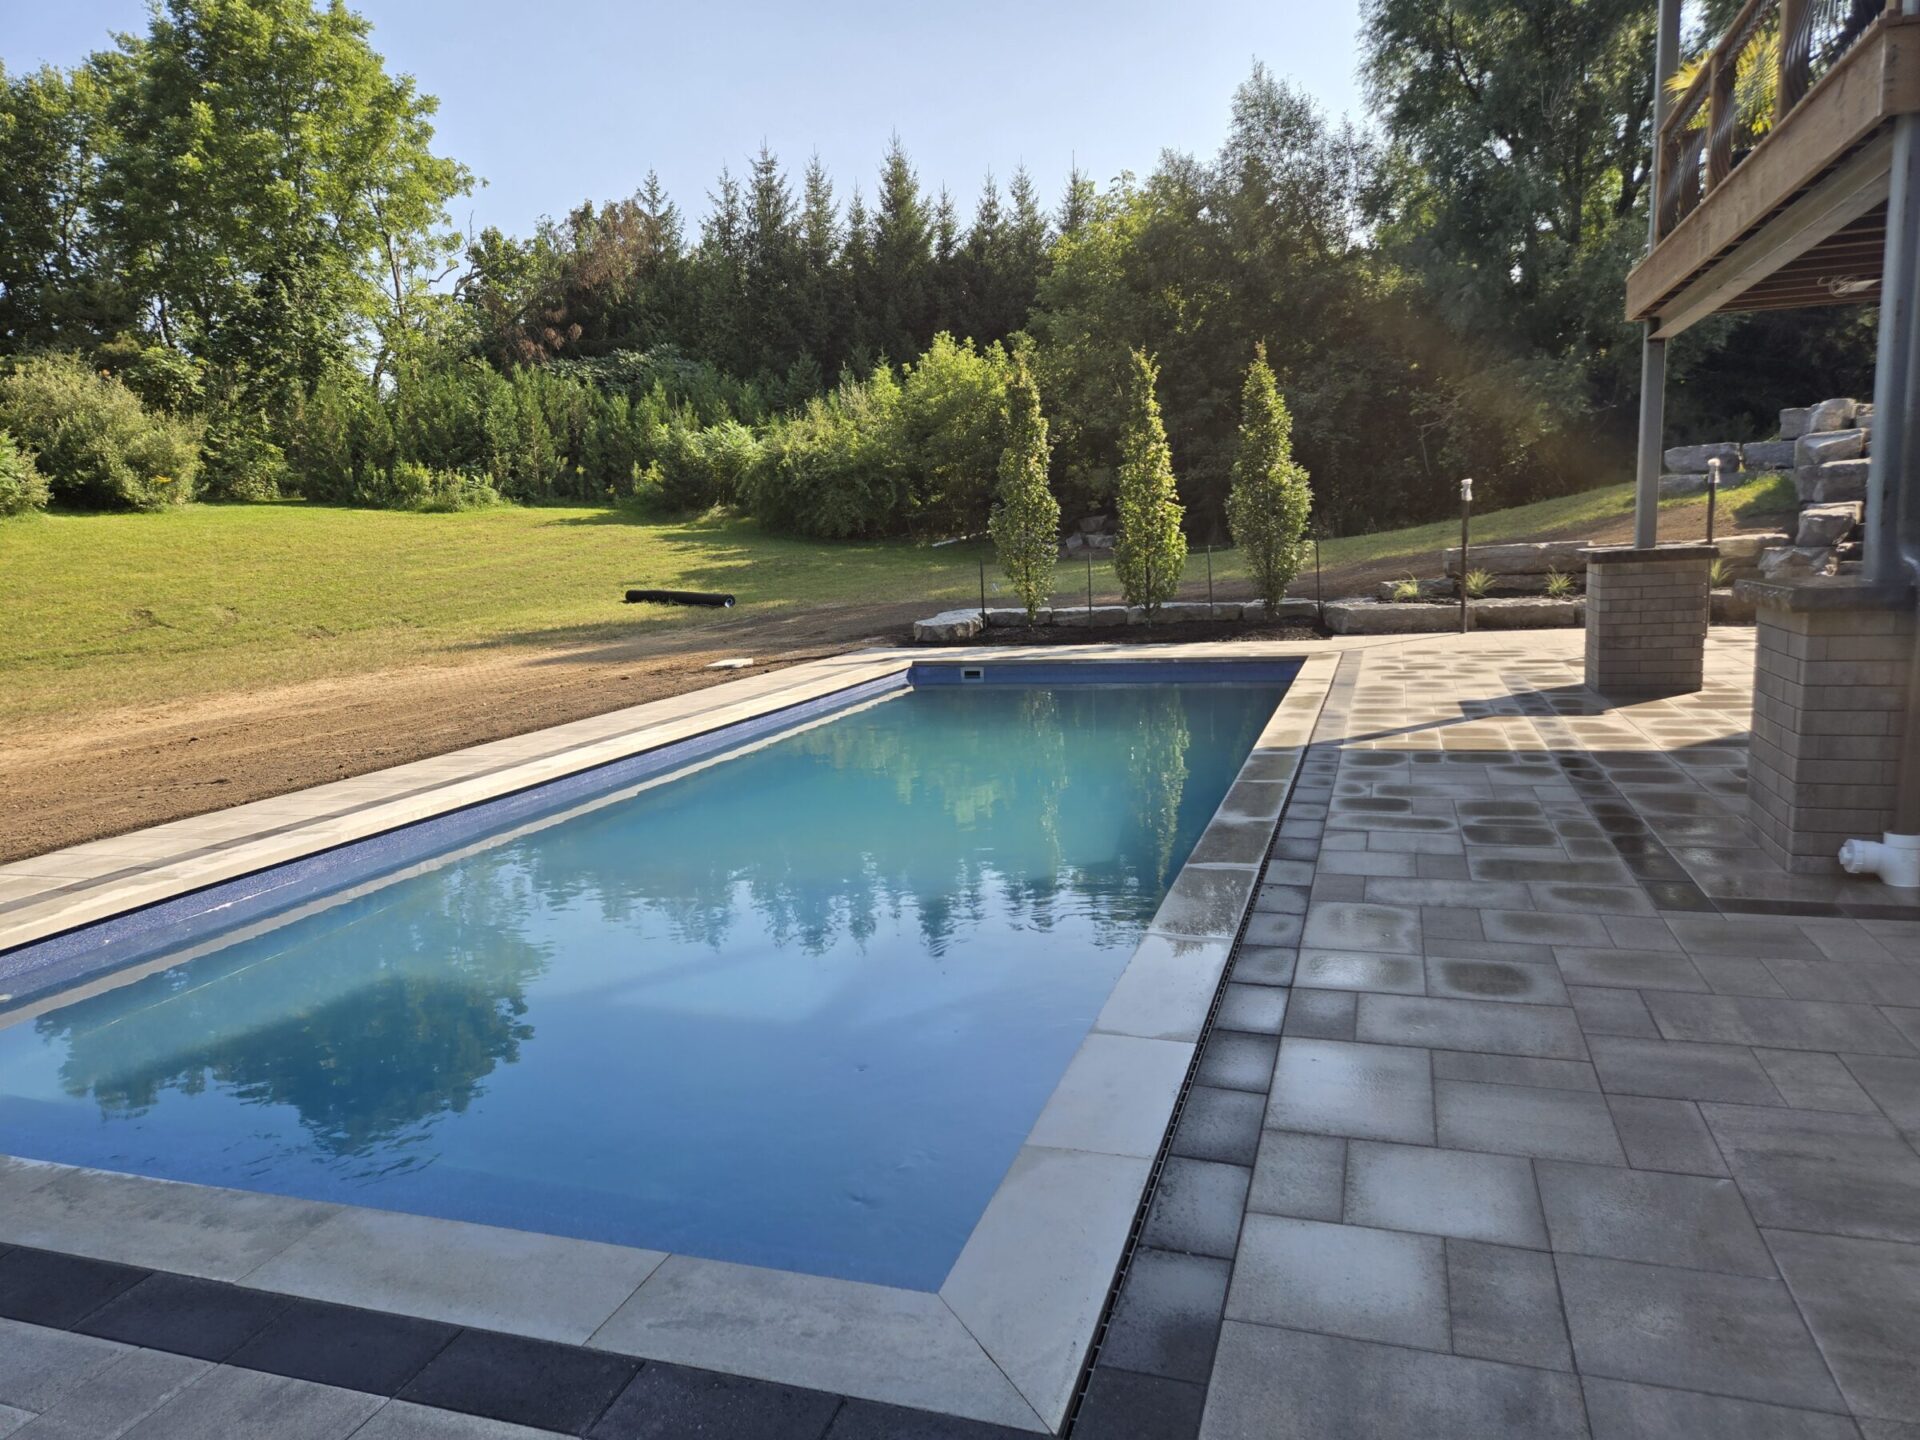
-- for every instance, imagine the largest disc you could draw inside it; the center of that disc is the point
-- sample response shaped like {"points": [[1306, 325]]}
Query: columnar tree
{"points": [[1268, 504], [1026, 523], [1150, 548]]}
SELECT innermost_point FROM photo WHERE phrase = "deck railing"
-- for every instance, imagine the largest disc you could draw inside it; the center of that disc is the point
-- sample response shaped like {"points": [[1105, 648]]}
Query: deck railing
{"points": [[1753, 77]]}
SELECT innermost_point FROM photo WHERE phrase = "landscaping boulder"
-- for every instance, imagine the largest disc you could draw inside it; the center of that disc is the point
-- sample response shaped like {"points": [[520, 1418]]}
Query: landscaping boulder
{"points": [[1764, 455], [1826, 525], [1831, 484], [1538, 558], [1695, 459], [1095, 525], [1828, 446], [1730, 607], [1794, 561], [1099, 617], [1290, 609], [1527, 612], [1356, 616], [1747, 548], [1814, 419], [1016, 619], [949, 625]]}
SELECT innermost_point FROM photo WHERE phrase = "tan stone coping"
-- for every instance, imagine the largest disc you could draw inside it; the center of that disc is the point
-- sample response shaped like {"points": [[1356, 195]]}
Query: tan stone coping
{"points": [[1005, 1337]]}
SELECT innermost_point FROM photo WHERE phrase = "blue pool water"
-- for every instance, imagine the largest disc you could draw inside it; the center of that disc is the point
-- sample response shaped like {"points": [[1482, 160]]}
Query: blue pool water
{"points": [[797, 1008]]}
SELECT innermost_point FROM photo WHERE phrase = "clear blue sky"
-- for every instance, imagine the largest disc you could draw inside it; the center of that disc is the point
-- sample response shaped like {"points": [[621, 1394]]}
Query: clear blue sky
{"points": [[556, 102]]}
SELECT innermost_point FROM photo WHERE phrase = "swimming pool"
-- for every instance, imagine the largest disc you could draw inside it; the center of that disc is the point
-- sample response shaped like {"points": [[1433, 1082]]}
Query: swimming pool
{"points": [[792, 999]]}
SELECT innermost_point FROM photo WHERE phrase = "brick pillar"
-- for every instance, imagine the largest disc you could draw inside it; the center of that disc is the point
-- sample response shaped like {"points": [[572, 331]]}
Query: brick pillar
{"points": [[1647, 619], [1829, 709]]}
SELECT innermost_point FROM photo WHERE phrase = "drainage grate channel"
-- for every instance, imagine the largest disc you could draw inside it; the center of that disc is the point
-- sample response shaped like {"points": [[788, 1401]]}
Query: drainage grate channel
{"points": [[1334, 708]]}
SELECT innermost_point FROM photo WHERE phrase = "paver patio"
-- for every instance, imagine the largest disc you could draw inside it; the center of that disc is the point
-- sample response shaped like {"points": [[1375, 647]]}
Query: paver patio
{"points": [[1539, 1104], [1584, 1119]]}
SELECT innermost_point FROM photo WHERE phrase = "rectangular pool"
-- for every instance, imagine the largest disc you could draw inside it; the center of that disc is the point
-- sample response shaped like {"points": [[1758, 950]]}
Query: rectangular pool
{"points": [[793, 1003]]}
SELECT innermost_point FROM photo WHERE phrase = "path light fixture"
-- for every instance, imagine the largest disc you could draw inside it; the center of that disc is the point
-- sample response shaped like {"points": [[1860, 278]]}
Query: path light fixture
{"points": [[1713, 492], [1466, 514]]}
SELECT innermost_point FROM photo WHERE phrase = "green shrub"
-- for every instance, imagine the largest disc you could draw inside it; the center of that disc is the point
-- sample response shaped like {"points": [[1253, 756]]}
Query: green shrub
{"points": [[836, 470], [98, 446], [239, 462], [696, 469], [22, 486], [1270, 499], [1559, 585], [1478, 583], [413, 486], [1406, 589]]}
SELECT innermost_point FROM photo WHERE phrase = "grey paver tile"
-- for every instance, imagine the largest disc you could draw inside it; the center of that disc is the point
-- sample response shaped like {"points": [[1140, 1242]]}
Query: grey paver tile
{"points": [[38, 1365], [114, 1400], [237, 1402], [1665, 1135], [1862, 1301], [1268, 927], [1370, 1092], [1220, 1124], [1196, 1207], [1892, 1083], [1514, 1070], [1345, 970], [404, 1420], [1545, 927], [1782, 1024], [1468, 1194], [1726, 1334], [1756, 938], [1681, 1070], [1299, 1175], [12, 1421], [1736, 975], [1265, 964], [1816, 980], [1522, 1120], [1257, 1009], [1168, 1315], [1341, 1280], [1547, 1031], [1506, 1305], [1621, 1410], [1285, 1385], [1501, 980], [1596, 899], [1821, 1171], [1811, 1080], [1654, 1218], [1321, 1014], [1611, 1012], [1628, 969], [1344, 926], [1640, 932], [1232, 1060]]}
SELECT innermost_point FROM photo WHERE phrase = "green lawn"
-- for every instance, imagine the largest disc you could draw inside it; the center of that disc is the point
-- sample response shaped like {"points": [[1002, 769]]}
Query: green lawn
{"points": [[104, 610]]}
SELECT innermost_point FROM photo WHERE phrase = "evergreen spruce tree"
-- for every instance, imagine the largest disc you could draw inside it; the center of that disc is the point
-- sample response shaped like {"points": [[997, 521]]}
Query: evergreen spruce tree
{"points": [[1268, 505], [1150, 548], [1026, 523]]}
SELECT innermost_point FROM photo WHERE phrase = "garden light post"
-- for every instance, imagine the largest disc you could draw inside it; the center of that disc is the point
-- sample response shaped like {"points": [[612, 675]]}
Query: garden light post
{"points": [[983, 592], [1466, 513], [1319, 600], [1713, 493], [1209, 582]]}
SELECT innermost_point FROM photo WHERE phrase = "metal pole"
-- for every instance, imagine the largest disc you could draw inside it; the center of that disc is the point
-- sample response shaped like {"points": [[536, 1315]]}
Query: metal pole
{"points": [[1466, 510], [1210, 582], [1653, 353], [1319, 600], [1713, 493], [1089, 587], [983, 592]]}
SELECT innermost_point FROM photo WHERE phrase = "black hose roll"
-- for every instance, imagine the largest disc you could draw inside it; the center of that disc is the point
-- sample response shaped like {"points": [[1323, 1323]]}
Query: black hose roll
{"points": [[679, 597]]}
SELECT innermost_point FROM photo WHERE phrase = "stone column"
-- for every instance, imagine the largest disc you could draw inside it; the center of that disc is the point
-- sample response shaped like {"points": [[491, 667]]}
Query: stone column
{"points": [[1647, 619], [1829, 712]]}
